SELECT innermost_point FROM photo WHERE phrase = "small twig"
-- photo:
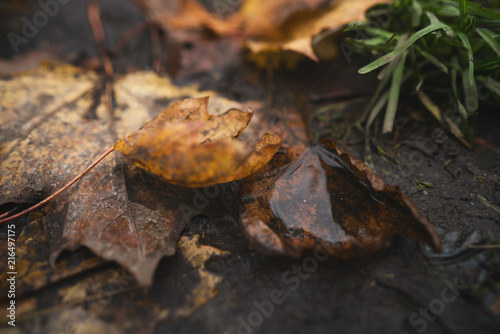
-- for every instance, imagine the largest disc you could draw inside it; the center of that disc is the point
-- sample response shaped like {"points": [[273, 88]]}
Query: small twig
{"points": [[69, 184], [156, 47], [154, 32], [100, 37], [98, 31]]}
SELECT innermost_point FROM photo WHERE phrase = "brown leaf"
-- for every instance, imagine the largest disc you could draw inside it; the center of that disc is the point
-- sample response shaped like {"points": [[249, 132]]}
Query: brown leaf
{"points": [[320, 196], [187, 146], [32, 265], [303, 26], [110, 301], [187, 14], [53, 124]]}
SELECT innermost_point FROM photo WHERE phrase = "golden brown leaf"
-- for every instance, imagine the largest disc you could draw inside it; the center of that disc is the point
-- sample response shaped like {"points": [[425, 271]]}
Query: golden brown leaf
{"points": [[307, 27], [186, 15], [53, 123], [186, 146], [291, 25]]}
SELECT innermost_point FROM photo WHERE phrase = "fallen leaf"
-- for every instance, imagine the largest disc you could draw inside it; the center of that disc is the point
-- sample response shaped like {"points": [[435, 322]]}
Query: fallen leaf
{"points": [[54, 121], [312, 196], [32, 262], [193, 30], [307, 27], [110, 301], [187, 146], [186, 15], [275, 26]]}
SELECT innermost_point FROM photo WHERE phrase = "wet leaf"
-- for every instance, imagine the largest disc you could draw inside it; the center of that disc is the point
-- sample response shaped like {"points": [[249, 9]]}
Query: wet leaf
{"points": [[312, 196], [55, 122], [88, 303], [187, 146], [32, 262]]}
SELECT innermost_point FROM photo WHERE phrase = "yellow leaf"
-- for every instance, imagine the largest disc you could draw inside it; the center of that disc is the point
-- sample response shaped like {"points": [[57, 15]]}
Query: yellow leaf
{"points": [[187, 146], [275, 26]]}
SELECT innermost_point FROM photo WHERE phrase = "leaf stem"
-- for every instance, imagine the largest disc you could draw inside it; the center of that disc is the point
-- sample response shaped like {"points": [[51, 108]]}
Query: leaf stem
{"points": [[69, 184]]}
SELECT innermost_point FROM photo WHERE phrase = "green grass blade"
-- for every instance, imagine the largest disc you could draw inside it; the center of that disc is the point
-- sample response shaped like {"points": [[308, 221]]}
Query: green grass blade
{"points": [[379, 32], [463, 12], [447, 30], [491, 84], [376, 109], [470, 92], [402, 48], [492, 24], [416, 13], [433, 60], [468, 80], [488, 65], [384, 77], [465, 40], [392, 103], [489, 37], [453, 76], [476, 9], [449, 11]]}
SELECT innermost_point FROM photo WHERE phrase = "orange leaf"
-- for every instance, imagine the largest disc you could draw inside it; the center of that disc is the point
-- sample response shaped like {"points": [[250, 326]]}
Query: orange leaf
{"points": [[186, 146]]}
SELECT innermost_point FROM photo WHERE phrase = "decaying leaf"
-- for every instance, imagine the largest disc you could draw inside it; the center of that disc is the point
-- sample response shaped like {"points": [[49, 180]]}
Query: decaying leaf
{"points": [[306, 196], [283, 25], [86, 304], [187, 14], [306, 27], [54, 122], [320, 196], [32, 262], [187, 146]]}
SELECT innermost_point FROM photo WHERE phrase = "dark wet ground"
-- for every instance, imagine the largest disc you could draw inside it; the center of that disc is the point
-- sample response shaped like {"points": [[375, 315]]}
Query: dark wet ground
{"points": [[391, 291]]}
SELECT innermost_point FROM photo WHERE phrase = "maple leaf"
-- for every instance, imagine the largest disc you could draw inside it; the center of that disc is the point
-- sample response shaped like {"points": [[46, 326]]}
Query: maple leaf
{"points": [[32, 261], [87, 301], [318, 196], [54, 121]]}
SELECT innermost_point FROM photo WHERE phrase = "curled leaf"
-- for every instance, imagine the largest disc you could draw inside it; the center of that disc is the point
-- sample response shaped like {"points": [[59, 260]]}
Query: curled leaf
{"points": [[275, 26], [187, 146], [320, 196]]}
